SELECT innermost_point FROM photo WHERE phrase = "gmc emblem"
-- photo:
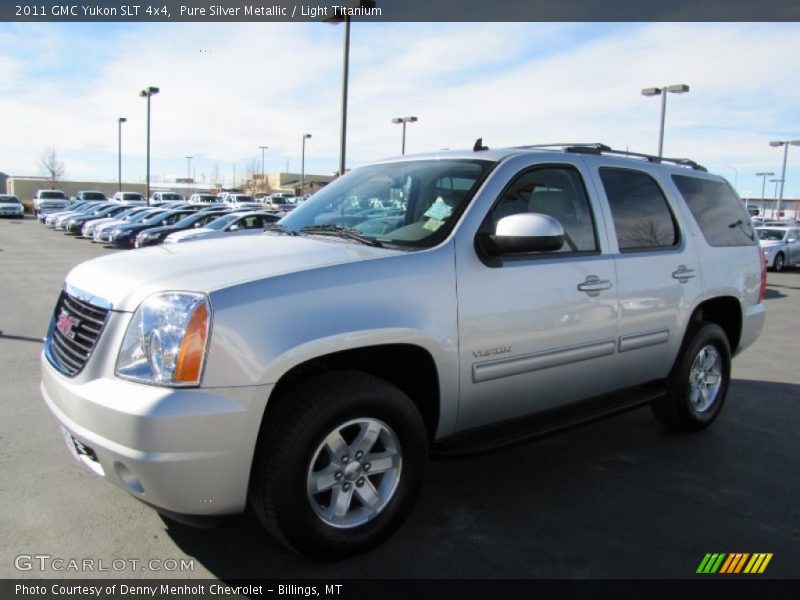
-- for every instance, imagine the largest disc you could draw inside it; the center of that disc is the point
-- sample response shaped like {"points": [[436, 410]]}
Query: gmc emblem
{"points": [[67, 324]]}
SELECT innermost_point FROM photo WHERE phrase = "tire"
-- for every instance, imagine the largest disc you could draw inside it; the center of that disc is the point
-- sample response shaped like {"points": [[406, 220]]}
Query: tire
{"points": [[698, 382], [294, 454], [778, 263]]}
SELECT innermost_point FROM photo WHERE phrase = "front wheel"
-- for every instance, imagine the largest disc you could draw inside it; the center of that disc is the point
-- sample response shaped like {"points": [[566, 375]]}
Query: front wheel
{"points": [[698, 382], [339, 464]]}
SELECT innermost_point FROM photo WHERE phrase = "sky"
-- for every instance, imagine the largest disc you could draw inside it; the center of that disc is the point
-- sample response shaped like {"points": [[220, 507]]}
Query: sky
{"points": [[228, 88]]}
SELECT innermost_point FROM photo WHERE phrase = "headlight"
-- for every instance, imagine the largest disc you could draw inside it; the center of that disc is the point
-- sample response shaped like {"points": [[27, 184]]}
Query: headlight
{"points": [[165, 342], [116, 233]]}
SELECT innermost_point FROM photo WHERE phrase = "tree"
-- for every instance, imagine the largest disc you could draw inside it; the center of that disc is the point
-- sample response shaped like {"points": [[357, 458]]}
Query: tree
{"points": [[52, 166]]}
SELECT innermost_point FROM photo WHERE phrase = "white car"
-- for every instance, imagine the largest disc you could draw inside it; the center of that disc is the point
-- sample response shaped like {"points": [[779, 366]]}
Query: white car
{"points": [[90, 227], [232, 224], [133, 198], [165, 198], [10, 206], [781, 246]]}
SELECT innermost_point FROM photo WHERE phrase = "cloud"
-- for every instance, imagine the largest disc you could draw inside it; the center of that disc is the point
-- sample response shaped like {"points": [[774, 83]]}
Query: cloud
{"points": [[229, 88]]}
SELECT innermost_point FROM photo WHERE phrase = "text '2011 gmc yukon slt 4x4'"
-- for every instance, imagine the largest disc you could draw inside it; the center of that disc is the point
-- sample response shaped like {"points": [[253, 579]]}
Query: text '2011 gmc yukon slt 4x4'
{"points": [[433, 304]]}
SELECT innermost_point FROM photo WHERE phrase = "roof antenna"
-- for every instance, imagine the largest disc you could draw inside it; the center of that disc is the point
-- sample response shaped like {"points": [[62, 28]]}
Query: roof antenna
{"points": [[479, 147]]}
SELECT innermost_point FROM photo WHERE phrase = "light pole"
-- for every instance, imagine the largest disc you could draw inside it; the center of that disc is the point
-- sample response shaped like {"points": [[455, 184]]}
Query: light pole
{"points": [[339, 18], [735, 177], [147, 93], [189, 168], [303, 164], [120, 121], [763, 189], [680, 88], [775, 213], [263, 173], [785, 144], [404, 120]]}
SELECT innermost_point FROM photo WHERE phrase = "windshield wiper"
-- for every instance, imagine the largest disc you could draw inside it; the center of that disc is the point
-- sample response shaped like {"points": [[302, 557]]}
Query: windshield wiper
{"points": [[278, 228], [347, 233]]}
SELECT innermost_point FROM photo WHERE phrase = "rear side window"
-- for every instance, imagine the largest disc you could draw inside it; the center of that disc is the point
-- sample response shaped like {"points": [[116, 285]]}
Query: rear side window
{"points": [[719, 213], [642, 217]]}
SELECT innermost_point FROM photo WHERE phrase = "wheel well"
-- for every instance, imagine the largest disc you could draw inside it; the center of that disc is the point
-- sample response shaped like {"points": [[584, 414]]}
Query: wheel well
{"points": [[725, 312], [408, 367]]}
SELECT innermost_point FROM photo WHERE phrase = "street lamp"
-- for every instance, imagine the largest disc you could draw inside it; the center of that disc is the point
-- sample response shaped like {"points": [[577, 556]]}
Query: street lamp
{"points": [[147, 93], [189, 168], [785, 144], [303, 164], [679, 88], [120, 121], [339, 18], [263, 175], [763, 188], [404, 120]]}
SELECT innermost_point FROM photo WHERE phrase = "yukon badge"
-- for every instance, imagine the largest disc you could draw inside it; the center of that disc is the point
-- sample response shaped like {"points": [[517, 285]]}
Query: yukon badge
{"points": [[67, 324], [491, 351]]}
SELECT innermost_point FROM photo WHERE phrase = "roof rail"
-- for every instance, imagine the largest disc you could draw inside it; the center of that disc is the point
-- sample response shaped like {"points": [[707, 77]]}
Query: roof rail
{"points": [[598, 148]]}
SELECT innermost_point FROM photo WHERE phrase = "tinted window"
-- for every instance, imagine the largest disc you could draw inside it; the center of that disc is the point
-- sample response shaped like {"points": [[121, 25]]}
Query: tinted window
{"points": [[94, 196], [557, 192], [641, 215], [718, 211]]}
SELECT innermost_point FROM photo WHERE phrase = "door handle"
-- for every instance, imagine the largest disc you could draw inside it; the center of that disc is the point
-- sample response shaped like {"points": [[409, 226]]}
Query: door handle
{"points": [[683, 274], [594, 285]]}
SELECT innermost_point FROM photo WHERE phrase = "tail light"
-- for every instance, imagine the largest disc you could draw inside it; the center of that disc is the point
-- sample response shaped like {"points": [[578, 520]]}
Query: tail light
{"points": [[763, 291]]}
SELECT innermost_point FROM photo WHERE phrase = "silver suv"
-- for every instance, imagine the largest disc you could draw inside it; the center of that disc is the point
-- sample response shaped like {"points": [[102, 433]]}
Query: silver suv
{"points": [[436, 304]]}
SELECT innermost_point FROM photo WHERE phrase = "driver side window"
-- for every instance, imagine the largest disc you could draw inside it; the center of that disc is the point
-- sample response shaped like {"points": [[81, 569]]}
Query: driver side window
{"points": [[555, 191]]}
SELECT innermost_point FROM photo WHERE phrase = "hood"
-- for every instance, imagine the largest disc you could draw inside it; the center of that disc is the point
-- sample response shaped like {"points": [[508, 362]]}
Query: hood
{"points": [[769, 243], [127, 278]]}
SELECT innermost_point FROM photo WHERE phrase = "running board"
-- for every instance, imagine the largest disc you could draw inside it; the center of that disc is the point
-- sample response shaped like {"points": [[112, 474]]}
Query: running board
{"points": [[541, 424]]}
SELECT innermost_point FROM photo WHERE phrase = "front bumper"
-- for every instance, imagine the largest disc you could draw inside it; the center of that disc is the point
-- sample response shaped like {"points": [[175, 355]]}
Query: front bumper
{"points": [[183, 451]]}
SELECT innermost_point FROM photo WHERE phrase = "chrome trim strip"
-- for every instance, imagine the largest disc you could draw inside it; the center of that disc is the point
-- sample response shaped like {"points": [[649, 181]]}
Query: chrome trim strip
{"points": [[87, 297], [642, 340], [505, 367]]}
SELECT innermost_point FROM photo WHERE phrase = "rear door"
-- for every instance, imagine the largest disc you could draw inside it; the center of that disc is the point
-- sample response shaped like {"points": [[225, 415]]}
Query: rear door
{"points": [[658, 274]]}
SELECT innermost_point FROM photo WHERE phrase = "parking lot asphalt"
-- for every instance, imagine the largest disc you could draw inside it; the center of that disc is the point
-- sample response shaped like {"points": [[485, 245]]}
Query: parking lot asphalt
{"points": [[619, 498]]}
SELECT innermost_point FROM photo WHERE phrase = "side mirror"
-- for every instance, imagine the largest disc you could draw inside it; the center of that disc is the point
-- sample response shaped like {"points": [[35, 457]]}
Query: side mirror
{"points": [[521, 233], [234, 228], [791, 240]]}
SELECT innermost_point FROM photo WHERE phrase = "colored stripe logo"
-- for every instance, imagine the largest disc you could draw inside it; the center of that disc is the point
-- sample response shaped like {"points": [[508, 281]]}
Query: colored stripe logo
{"points": [[734, 563]]}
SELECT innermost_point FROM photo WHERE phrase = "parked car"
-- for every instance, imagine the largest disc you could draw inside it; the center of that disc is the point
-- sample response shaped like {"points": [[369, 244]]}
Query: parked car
{"points": [[124, 236], [10, 206], [781, 246], [92, 196], [130, 198], [165, 198], [233, 224], [74, 225], [239, 200], [311, 370], [194, 221], [197, 199], [90, 226], [102, 233], [48, 201], [278, 203], [58, 219]]}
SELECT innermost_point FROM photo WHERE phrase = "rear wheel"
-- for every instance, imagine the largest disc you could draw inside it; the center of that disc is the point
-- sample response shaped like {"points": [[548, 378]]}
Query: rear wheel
{"points": [[339, 464], [778, 263], [698, 382]]}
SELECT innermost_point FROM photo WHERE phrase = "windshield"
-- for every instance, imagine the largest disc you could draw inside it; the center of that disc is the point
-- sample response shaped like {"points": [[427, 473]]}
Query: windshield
{"points": [[243, 199], [93, 196], [144, 215], [220, 223], [171, 197], [132, 197], [205, 199], [53, 195], [414, 203], [11, 199], [771, 235]]}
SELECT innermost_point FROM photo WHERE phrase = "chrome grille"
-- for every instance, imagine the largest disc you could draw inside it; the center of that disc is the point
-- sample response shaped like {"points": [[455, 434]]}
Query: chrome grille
{"points": [[76, 328]]}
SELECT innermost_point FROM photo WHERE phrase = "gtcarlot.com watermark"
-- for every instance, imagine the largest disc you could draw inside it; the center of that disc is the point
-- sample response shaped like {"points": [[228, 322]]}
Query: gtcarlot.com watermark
{"points": [[57, 564]]}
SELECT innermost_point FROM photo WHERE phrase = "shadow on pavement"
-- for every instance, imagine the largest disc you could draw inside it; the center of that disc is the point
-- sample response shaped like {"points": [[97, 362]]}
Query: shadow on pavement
{"points": [[618, 498]]}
